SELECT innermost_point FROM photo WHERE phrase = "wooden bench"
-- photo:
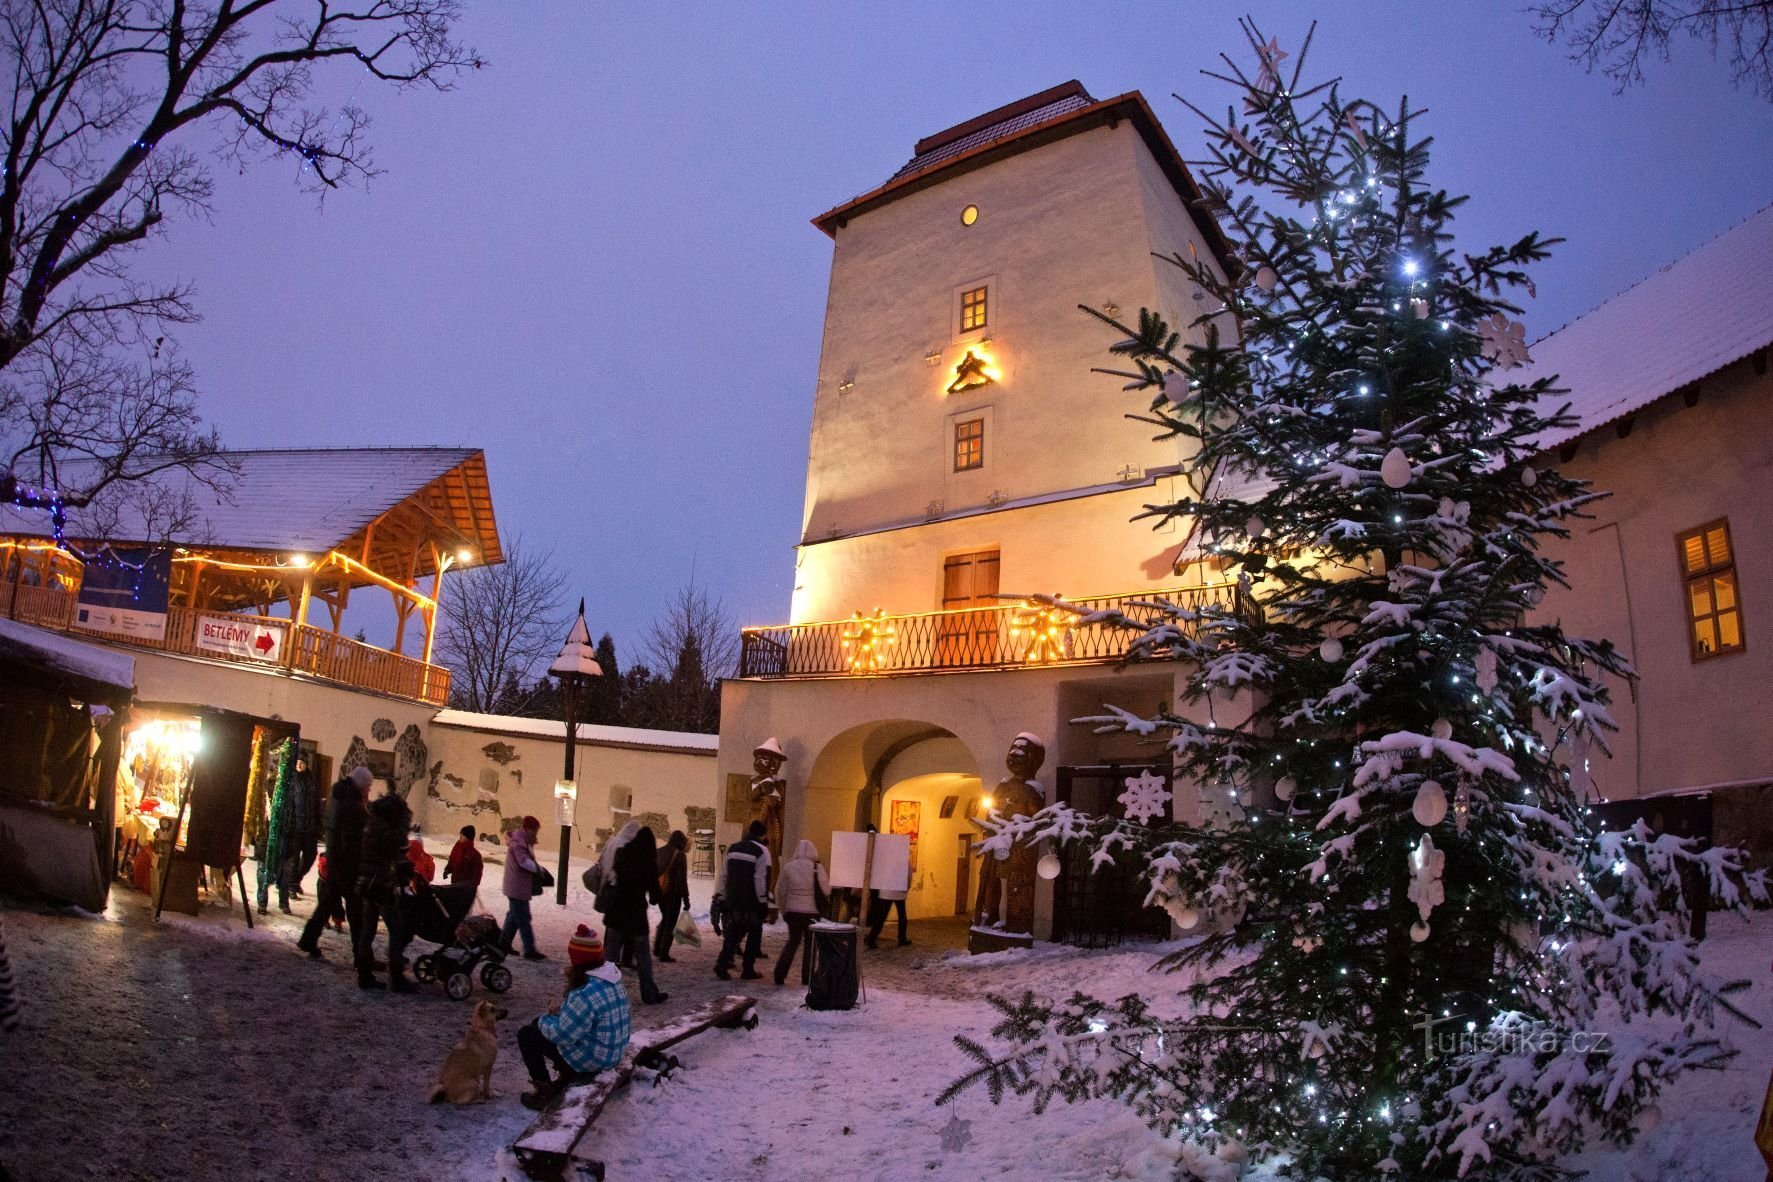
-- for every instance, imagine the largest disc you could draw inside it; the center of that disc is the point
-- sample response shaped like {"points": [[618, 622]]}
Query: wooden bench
{"points": [[550, 1145]]}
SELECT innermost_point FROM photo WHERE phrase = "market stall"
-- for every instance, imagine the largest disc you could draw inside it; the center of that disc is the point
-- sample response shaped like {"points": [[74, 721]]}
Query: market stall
{"points": [[62, 710], [191, 794]]}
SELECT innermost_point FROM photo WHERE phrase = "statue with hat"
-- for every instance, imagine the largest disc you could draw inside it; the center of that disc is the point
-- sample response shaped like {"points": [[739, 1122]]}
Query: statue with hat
{"points": [[769, 794], [1004, 915]]}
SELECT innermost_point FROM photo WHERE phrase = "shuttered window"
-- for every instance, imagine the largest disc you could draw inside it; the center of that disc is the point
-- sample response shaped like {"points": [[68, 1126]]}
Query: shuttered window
{"points": [[1713, 598]]}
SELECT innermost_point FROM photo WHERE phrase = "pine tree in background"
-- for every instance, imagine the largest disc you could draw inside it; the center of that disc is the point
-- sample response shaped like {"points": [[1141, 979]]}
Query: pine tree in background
{"points": [[603, 695], [1411, 845]]}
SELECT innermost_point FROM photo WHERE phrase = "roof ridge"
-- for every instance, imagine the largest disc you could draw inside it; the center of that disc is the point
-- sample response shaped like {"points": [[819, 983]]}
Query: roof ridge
{"points": [[1003, 114], [1649, 275]]}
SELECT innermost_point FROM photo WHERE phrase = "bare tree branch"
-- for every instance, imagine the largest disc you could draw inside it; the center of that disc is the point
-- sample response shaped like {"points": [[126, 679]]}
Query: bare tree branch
{"points": [[112, 102], [1617, 36], [501, 623]]}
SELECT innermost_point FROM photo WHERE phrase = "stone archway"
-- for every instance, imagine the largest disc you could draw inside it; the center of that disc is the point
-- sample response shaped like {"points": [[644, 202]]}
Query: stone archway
{"points": [[861, 769]]}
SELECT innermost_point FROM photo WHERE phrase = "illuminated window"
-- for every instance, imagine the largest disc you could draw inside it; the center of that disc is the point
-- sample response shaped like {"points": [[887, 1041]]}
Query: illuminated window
{"points": [[969, 444], [1714, 603], [972, 309], [969, 215]]}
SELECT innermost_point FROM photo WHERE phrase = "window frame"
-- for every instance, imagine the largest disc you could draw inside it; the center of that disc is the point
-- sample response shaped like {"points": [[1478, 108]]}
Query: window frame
{"points": [[959, 442], [983, 306], [1708, 575]]}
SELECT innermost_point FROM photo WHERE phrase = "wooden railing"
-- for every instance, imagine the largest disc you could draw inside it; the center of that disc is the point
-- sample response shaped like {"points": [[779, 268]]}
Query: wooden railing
{"points": [[306, 649], [1015, 635]]}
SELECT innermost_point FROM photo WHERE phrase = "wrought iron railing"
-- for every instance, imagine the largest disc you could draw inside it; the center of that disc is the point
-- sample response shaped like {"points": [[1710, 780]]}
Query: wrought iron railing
{"points": [[305, 648], [1018, 634]]}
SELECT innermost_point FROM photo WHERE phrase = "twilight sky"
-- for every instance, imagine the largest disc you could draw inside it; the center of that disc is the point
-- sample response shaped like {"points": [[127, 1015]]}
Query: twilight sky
{"points": [[594, 259]]}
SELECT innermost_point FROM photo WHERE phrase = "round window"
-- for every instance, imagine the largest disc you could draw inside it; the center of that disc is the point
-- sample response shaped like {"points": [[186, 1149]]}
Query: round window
{"points": [[969, 215]]}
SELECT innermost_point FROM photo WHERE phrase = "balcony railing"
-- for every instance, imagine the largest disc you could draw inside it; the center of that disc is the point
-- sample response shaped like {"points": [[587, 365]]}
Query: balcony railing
{"points": [[1015, 635], [307, 649]]}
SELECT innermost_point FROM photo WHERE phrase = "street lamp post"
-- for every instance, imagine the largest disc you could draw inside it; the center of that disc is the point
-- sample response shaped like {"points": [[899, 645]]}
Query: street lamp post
{"points": [[576, 664]]}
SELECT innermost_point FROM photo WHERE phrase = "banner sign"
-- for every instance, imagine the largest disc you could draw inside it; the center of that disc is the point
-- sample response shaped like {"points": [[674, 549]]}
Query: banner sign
{"points": [[125, 591], [237, 637]]}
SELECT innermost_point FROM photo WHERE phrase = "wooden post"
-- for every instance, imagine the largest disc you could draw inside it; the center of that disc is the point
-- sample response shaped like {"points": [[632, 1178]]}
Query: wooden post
{"points": [[431, 619], [572, 734], [299, 620], [865, 909]]}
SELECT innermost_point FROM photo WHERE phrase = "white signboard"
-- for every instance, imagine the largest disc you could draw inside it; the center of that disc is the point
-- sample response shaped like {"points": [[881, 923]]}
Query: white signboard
{"points": [[131, 625], [892, 860], [240, 638]]}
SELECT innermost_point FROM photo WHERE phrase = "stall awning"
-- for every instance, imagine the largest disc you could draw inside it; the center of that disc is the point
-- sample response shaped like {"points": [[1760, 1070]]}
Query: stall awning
{"points": [[102, 674]]}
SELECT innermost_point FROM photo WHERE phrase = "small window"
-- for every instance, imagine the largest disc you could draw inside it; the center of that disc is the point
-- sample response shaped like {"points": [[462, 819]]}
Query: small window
{"points": [[972, 308], [969, 444], [1714, 603], [969, 215]]}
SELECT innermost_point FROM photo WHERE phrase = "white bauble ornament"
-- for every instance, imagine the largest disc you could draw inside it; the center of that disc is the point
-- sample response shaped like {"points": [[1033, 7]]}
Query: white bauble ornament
{"points": [[1647, 1119], [1265, 279], [1418, 932], [1442, 729], [1048, 866], [1176, 387], [1285, 787], [1529, 476], [1318, 1048], [1330, 650], [1186, 918], [1419, 309], [1255, 527], [1394, 470], [1430, 807]]}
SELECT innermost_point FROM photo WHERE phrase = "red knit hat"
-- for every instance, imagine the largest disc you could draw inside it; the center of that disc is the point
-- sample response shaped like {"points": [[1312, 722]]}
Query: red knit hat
{"points": [[585, 946]]}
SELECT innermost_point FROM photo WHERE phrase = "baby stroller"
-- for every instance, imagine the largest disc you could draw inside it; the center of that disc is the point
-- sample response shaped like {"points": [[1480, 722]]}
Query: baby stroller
{"points": [[439, 915]]}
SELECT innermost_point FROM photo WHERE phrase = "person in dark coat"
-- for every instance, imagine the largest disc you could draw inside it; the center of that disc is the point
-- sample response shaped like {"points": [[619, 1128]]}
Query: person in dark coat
{"points": [[302, 833], [345, 816], [465, 866], [623, 902], [745, 887], [380, 879], [673, 891]]}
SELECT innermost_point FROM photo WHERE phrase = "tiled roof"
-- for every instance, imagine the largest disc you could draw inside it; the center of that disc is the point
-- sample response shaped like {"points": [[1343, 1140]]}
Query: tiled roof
{"points": [[1712, 307], [999, 124], [296, 499]]}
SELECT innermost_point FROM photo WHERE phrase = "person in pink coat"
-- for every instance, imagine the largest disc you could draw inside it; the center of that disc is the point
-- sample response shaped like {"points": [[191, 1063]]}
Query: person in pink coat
{"points": [[521, 869]]}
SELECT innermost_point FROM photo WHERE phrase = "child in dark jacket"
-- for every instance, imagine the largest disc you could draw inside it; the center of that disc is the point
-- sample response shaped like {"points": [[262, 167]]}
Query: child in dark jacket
{"points": [[465, 865]]}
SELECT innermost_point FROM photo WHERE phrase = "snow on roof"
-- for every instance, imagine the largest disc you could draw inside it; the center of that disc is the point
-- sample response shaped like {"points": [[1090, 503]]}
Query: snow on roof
{"points": [[590, 733], [63, 654], [1702, 312], [294, 499], [1001, 123]]}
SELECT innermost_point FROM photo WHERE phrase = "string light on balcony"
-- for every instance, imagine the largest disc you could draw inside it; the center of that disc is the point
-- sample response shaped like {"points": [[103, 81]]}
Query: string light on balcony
{"points": [[1047, 627], [866, 640]]}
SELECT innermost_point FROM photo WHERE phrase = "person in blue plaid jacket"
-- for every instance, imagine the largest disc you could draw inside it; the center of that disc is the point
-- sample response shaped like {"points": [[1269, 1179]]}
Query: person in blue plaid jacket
{"points": [[586, 1034]]}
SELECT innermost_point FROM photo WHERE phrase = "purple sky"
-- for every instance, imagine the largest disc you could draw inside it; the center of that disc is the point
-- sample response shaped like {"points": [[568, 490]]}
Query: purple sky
{"points": [[594, 258]]}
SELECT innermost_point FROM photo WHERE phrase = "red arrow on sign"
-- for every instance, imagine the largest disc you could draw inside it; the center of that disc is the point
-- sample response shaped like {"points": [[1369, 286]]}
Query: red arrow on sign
{"points": [[264, 644]]}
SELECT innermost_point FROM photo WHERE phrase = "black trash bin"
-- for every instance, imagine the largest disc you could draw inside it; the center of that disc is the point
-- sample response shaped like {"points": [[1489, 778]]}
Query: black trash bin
{"points": [[833, 949]]}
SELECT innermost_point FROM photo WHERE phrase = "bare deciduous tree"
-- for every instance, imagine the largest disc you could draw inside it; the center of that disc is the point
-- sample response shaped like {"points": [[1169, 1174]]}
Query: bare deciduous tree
{"points": [[693, 615], [111, 101], [1616, 36], [501, 625]]}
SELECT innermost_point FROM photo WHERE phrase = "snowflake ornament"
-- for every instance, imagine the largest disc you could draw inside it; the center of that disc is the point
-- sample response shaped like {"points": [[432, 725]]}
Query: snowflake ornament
{"points": [[1147, 796], [1505, 341], [957, 1134], [1426, 889]]}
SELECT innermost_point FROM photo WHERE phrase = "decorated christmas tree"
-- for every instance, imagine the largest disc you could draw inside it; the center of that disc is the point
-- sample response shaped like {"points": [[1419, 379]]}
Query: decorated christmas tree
{"points": [[1419, 958]]}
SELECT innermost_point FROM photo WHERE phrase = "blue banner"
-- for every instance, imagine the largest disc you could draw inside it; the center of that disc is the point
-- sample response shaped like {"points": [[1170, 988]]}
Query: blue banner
{"points": [[125, 591]]}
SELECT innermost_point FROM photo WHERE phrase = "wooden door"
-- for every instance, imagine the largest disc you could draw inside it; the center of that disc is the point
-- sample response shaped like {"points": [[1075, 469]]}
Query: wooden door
{"points": [[969, 581], [963, 875]]}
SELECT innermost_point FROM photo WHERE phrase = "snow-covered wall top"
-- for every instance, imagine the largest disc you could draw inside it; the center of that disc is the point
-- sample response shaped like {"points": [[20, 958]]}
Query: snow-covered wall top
{"points": [[53, 651]]}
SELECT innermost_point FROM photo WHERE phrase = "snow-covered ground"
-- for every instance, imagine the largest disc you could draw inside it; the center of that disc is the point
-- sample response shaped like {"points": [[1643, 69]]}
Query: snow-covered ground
{"points": [[194, 1049]]}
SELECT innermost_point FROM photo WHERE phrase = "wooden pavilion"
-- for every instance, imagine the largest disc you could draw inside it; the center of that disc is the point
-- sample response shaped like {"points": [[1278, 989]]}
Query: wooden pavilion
{"points": [[302, 528]]}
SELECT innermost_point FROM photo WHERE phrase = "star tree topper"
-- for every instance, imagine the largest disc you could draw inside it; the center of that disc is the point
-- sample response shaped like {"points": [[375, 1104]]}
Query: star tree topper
{"points": [[1147, 796]]}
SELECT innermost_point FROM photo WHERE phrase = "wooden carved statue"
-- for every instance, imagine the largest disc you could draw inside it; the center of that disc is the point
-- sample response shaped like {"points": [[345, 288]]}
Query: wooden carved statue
{"points": [[769, 795], [1004, 916]]}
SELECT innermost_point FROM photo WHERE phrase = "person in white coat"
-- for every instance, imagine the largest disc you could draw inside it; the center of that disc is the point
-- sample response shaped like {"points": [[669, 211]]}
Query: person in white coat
{"points": [[801, 888]]}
